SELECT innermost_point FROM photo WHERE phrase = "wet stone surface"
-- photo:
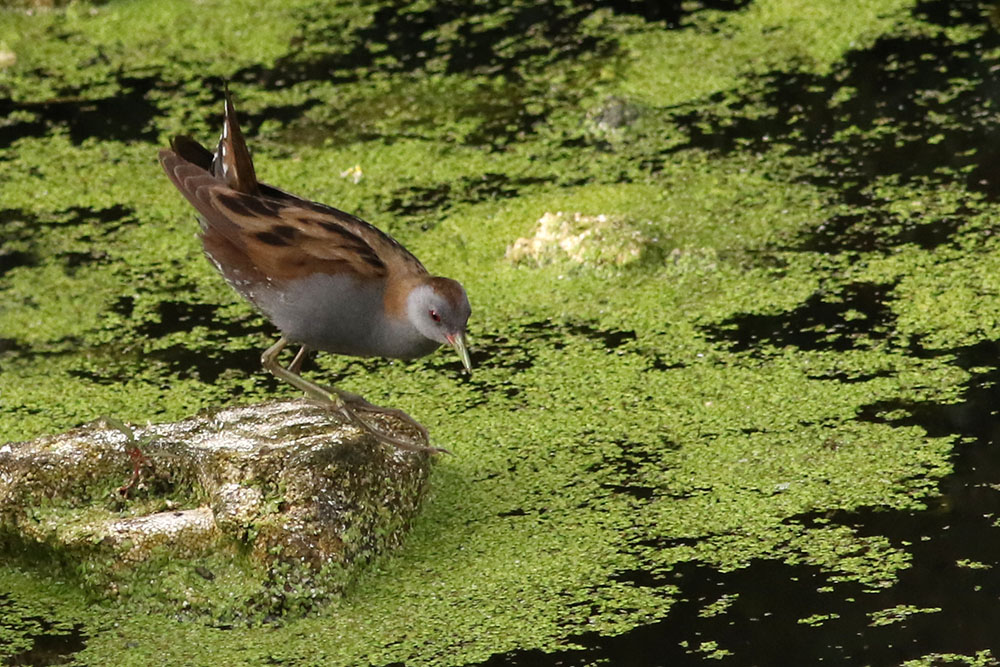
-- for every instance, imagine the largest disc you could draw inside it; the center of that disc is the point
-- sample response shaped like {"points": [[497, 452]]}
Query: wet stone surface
{"points": [[284, 487]]}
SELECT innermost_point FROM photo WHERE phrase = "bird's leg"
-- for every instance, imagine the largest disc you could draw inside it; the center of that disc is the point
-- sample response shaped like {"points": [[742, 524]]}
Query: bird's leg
{"points": [[344, 401], [138, 460], [134, 453], [300, 356]]}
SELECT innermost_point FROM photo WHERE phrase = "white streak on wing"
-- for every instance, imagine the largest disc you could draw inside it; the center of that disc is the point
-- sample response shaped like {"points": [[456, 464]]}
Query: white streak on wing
{"points": [[222, 152]]}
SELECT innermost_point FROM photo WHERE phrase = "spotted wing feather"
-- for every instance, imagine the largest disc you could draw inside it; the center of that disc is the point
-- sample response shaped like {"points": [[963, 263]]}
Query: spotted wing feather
{"points": [[281, 238]]}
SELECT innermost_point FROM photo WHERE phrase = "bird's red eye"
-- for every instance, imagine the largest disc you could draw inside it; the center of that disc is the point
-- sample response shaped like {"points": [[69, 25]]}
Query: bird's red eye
{"points": [[435, 316]]}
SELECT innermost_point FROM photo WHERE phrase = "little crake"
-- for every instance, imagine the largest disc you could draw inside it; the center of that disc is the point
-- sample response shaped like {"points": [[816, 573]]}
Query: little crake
{"points": [[328, 280]]}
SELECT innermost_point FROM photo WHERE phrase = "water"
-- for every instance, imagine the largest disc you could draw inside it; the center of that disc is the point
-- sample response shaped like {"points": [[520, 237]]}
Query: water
{"points": [[948, 599]]}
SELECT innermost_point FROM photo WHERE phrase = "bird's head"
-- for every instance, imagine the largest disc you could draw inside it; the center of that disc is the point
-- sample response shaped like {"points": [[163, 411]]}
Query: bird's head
{"points": [[439, 309]]}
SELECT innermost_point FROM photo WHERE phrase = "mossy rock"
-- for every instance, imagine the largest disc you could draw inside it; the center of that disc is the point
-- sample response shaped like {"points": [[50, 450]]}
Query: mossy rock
{"points": [[279, 496]]}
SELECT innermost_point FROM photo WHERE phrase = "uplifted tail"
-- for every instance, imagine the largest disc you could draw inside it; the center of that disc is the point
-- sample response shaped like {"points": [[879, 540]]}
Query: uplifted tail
{"points": [[232, 163]]}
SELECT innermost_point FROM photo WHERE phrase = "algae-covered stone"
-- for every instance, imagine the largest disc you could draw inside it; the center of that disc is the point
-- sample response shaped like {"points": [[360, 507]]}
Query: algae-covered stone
{"points": [[584, 239], [284, 491], [609, 120]]}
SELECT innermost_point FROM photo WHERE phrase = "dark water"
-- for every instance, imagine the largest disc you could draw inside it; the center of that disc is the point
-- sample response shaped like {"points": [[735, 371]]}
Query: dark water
{"points": [[954, 575], [762, 625], [125, 117], [50, 644], [895, 81]]}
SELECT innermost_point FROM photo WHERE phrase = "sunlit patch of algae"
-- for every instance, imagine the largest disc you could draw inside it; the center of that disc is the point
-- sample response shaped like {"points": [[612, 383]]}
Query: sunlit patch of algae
{"points": [[535, 521]]}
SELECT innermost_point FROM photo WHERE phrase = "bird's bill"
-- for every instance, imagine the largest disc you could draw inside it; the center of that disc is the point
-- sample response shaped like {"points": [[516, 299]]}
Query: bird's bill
{"points": [[458, 342]]}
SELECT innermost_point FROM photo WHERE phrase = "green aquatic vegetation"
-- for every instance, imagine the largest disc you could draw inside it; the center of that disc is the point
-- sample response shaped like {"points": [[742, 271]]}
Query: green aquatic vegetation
{"points": [[84, 46], [697, 404], [899, 614], [979, 659], [725, 48]]}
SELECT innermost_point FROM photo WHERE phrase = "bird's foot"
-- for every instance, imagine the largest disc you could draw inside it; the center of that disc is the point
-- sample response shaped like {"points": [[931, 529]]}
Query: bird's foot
{"points": [[347, 403], [352, 403]]}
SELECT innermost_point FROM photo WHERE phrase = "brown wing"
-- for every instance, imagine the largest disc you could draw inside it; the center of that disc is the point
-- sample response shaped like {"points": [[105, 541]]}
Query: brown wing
{"points": [[192, 151], [282, 236]]}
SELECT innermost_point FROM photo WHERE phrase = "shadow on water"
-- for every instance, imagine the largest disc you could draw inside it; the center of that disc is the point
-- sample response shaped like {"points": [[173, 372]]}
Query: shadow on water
{"points": [[125, 117], [897, 83], [851, 317], [19, 234], [498, 48], [468, 37], [876, 230], [939, 99], [417, 200], [51, 644], [948, 600], [773, 613], [207, 360]]}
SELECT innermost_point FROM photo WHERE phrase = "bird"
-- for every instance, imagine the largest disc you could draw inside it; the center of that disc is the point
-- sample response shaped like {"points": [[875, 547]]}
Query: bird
{"points": [[326, 279]]}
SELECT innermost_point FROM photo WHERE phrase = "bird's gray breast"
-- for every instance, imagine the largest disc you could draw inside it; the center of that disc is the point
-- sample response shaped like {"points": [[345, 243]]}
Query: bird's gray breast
{"points": [[341, 314]]}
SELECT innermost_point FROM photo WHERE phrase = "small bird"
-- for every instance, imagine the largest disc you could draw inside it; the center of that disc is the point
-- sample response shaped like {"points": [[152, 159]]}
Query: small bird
{"points": [[327, 279]]}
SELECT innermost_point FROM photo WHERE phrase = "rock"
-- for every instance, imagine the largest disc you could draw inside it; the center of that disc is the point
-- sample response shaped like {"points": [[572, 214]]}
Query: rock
{"points": [[596, 240], [283, 497], [614, 113]]}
